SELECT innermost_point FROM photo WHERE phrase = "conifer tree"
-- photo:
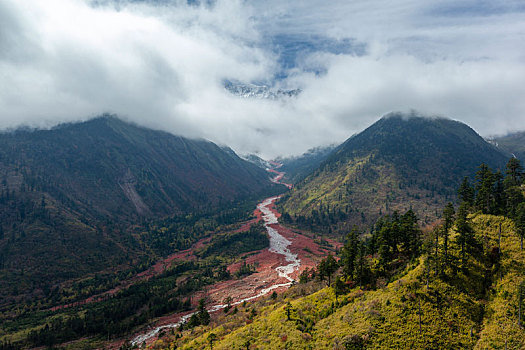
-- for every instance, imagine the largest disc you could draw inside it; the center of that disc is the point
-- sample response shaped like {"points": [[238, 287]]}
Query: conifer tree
{"points": [[327, 268], [464, 230], [520, 223], [339, 287], [499, 198], [448, 220], [484, 189], [362, 272], [514, 171], [349, 252], [410, 233], [212, 337], [466, 192]]}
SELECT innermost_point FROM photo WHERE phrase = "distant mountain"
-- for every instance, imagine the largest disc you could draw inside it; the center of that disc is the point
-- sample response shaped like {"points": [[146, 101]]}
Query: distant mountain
{"points": [[400, 162], [512, 143], [297, 168], [70, 196], [259, 91], [111, 168], [255, 159]]}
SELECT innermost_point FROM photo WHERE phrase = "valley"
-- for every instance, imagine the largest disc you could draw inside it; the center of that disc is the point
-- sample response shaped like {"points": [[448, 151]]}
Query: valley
{"points": [[262, 175], [397, 226], [277, 268]]}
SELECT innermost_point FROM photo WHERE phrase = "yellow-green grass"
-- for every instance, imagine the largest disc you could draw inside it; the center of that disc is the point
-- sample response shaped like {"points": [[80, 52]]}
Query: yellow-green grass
{"points": [[456, 312]]}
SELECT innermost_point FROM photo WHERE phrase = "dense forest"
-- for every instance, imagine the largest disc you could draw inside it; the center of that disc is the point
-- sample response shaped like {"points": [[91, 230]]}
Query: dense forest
{"points": [[33, 321], [80, 197]]}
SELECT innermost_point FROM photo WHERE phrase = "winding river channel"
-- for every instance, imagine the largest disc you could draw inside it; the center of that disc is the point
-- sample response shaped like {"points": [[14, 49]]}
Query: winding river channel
{"points": [[278, 244]]}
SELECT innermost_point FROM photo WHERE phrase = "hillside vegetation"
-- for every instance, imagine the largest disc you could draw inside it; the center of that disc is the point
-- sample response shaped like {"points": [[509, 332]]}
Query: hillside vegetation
{"points": [[71, 197], [461, 287], [457, 312], [88, 205], [400, 162]]}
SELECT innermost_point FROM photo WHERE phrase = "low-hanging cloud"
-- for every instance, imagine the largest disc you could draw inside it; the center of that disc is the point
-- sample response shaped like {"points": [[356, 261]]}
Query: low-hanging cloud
{"points": [[163, 65]]}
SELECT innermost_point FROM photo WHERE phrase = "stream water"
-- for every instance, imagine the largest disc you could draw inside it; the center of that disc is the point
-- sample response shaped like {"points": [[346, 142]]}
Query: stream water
{"points": [[278, 244]]}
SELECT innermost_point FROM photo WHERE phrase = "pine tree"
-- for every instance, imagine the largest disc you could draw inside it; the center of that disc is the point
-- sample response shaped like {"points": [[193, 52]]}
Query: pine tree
{"points": [[202, 315], [288, 309], [327, 268], [212, 337], [514, 171], [464, 230], [448, 220], [466, 192], [513, 196], [349, 252], [339, 287], [364, 272], [484, 188], [520, 223], [410, 233], [499, 204]]}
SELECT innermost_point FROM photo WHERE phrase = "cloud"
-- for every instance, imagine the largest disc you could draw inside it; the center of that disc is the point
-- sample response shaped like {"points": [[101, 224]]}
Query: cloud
{"points": [[162, 64]]}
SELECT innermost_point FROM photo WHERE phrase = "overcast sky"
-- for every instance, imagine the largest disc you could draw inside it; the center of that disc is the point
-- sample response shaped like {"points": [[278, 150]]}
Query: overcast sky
{"points": [[163, 64]]}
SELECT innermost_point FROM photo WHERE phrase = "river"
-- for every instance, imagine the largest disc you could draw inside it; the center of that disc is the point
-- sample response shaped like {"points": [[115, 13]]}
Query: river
{"points": [[278, 244]]}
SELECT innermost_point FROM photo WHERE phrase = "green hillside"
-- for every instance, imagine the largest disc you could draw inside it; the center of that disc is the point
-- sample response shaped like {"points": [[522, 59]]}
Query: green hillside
{"points": [[400, 162], [107, 167], [470, 305], [457, 285]]}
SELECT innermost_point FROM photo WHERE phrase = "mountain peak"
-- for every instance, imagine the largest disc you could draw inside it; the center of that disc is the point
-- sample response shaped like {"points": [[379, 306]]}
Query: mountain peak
{"points": [[402, 161], [413, 114]]}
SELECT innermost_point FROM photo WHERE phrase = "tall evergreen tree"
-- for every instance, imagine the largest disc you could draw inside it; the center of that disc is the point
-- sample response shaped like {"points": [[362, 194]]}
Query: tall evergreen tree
{"points": [[520, 223], [513, 197], [514, 171], [484, 188], [466, 192], [363, 272], [464, 230], [327, 267], [349, 252], [499, 197], [448, 220], [410, 233]]}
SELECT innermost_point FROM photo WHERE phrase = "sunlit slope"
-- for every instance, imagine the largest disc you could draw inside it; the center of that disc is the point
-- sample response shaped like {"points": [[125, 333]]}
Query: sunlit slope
{"points": [[466, 307], [398, 163]]}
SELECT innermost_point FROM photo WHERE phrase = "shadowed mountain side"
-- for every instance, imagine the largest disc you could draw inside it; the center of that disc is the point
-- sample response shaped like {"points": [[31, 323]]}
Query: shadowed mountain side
{"points": [[71, 197], [513, 143]]}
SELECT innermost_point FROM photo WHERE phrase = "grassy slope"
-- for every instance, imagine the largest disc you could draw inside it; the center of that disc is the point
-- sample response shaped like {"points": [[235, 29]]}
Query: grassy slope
{"points": [[372, 187], [397, 163], [389, 317], [500, 321]]}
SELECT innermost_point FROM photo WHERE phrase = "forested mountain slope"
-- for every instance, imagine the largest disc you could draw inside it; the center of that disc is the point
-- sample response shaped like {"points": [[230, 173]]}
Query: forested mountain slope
{"points": [[73, 198], [513, 143], [297, 168], [460, 285], [400, 162]]}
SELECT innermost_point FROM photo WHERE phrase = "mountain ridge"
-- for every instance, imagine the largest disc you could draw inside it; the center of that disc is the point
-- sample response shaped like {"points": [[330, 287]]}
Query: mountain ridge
{"points": [[79, 198], [399, 162]]}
